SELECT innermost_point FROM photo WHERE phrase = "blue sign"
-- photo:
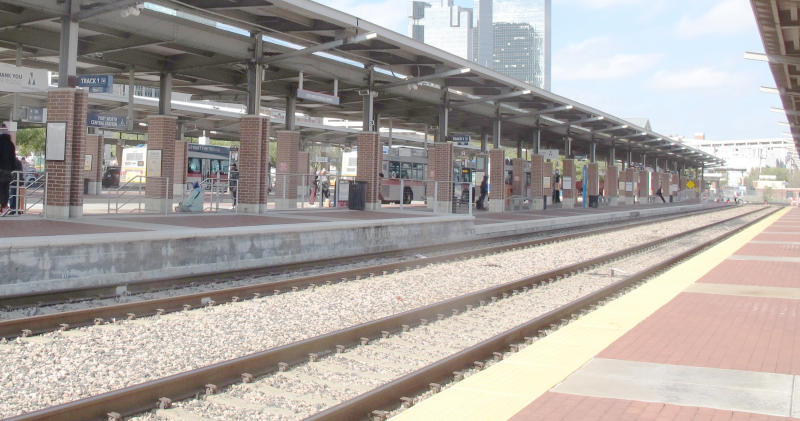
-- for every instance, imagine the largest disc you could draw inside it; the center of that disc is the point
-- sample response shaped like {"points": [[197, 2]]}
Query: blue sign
{"points": [[97, 83], [106, 121], [459, 139]]}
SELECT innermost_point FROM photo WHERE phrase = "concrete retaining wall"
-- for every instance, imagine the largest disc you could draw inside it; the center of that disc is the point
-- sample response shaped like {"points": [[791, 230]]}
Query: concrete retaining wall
{"points": [[50, 264]]}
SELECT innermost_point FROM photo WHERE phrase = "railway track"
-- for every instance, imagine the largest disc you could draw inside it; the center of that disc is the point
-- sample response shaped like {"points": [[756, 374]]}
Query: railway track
{"points": [[28, 326], [163, 284], [331, 348]]}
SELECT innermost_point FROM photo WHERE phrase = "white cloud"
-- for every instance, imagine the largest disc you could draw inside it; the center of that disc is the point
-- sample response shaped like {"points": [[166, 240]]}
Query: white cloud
{"points": [[726, 17], [597, 59], [698, 78], [392, 14]]}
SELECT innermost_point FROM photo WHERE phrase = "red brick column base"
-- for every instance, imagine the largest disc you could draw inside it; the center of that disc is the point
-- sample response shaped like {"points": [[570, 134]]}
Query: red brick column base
{"points": [[368, 167], [287, 178], [442, 165], [497, 187], [93, 155], [162, 131], [64, 178], [537, 182], [249, 184], [612, 185], [568, 182]]}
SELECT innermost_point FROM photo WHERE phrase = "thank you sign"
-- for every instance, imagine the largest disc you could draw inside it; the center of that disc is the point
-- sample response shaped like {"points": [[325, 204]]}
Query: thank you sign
{"points": [[22, 79]]}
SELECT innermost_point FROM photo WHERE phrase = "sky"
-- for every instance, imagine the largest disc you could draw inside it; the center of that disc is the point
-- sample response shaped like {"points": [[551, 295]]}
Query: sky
{"points": [[678, 63]]}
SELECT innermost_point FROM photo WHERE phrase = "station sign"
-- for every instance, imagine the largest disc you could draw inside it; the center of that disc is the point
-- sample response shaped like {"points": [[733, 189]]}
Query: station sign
{"points": [[459, 139], [317, 97], [97, 83], [106, 121], [551, 154], [22, 79], [34, 114]]}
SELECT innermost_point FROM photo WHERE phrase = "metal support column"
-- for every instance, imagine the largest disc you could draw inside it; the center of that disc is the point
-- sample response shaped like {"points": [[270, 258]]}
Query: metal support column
{"points": [[612, 155], [165, 94], [497, 128], [519, 148], [593, 152], [291, 108], [254, 75], [131, 102], [368, 120], [484, 141], [444, 117], [537, 140], [390, 131], [68, 47], [15, 107]]}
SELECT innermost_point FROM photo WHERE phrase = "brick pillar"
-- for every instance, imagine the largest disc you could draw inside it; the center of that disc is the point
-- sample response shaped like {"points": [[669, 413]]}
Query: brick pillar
{"points": [[628, 190], [287, 179], [593, 180], [118, 154], [497, 188], [162, 131], [675, 186], [518, 180], [94, 149], [304, 182], [568, 184], [249, 185], [431, 176], [537, 182], [443, 173], [547, 187], [612, 185], [264, 163], [368, 166], [64, 178], [180, 167]]}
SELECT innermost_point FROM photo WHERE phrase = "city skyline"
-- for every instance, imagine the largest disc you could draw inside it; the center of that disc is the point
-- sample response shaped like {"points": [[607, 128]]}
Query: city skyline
{"points": [[678, 63]]}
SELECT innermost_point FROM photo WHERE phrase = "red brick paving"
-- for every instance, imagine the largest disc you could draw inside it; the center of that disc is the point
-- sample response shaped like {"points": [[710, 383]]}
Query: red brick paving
{"points": [[717, 331], [745, 272], [782, 250], [777, 237], [565, 407], [44, 227]]}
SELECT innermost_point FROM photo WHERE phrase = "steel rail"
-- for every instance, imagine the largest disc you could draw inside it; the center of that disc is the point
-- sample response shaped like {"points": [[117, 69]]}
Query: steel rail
{"points": [[413, 384], [161, 284], [76, 318], [145, 396]]}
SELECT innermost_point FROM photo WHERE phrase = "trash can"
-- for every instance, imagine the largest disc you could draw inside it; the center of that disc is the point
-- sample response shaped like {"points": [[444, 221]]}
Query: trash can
{"points": [[85, 186], [594, 201], [357, 195]]}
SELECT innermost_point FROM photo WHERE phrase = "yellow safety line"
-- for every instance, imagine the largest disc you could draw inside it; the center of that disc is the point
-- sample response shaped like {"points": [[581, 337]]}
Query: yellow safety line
{"points": [[505, 388]]}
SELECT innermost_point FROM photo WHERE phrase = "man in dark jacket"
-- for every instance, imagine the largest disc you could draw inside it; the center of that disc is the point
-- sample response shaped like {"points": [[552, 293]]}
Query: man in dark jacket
{"points": [[8, 163], [484, 192]]}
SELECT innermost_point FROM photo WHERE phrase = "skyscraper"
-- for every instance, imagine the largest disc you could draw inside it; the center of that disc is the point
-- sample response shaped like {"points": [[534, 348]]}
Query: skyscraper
{"points": [[443, 25], [509, 36], [513, 38]]}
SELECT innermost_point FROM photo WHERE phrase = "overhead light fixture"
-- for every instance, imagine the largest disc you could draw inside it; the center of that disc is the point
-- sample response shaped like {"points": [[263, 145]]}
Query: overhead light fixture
{"points": [[143, 124], [371, 35], [466, 70]]}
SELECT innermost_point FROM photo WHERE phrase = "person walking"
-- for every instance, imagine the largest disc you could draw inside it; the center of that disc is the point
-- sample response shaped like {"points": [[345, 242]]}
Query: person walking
{"points": [[484, 192], [556, 187], [661, 195], [323, 187], [8, 164]]}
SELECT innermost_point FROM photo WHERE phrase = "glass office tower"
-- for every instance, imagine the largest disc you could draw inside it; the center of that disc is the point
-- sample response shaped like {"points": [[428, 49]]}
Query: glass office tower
{"points": [[443, 25]]}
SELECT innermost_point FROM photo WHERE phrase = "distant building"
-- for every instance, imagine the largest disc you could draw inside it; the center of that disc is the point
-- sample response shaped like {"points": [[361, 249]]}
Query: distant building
{"points": [[509, 36], [741, 156], [443, 25]]}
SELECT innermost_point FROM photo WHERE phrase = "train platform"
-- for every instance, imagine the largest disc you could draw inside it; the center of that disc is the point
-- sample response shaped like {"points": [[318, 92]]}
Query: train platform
{"points": [[715, 338], [47, 255]]}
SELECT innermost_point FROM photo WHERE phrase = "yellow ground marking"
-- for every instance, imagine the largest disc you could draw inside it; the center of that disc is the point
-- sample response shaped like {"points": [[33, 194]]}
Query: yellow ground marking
{"points": [[505, 388]]}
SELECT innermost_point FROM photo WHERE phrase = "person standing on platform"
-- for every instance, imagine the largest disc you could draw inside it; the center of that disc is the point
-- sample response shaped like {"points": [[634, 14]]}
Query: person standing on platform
{"points": [[324, 185], [8, 164], [661, 195], [556, 187], [234, 182], [484, 192]]}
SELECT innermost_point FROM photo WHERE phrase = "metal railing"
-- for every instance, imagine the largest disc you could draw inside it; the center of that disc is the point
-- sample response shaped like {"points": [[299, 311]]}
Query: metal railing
{"points": [[124, 195], [27, 192]]}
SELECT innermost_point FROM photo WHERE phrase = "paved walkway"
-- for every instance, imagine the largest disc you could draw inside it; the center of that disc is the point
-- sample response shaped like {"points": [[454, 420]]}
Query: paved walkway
{"points": [[716, 338]]}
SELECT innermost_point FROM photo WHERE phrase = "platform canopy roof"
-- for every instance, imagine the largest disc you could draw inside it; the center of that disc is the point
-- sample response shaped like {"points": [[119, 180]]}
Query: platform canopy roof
{"points": [[207, 45], [779, 27]]}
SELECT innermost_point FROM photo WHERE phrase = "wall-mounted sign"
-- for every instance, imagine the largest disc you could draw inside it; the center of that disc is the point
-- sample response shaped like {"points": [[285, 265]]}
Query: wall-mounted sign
{"points": [[317, 97], [87, 162], [621, 186], [153, 163], [546, 182], [97, 83], [629, 186], [106, 121], [56, 140], [22, 79], [551, 154], [566, 184], [34, 114], [459, 139]]}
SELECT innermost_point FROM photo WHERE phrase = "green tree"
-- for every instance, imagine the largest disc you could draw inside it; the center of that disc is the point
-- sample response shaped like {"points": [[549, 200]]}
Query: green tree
{"points": [[768, 193], [30, 142]]}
